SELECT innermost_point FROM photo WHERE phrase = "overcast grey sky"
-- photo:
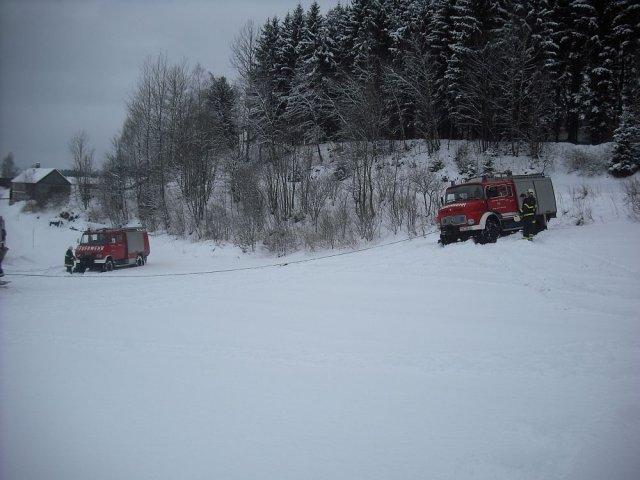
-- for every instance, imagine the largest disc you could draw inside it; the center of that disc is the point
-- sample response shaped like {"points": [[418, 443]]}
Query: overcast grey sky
{"points": [[70, 65]]}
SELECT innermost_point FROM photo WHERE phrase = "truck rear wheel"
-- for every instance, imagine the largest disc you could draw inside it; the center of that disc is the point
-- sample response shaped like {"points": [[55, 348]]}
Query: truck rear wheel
{"points": [[541, 223], [139, 261]]}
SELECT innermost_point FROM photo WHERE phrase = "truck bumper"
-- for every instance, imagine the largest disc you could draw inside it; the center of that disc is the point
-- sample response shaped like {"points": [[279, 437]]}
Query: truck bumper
{"points": [[452, 234], [87, 263], [471, 228]]}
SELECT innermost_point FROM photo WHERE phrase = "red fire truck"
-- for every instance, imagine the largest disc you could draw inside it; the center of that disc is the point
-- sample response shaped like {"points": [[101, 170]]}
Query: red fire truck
{"points": [[109, 248], [484, 208]]}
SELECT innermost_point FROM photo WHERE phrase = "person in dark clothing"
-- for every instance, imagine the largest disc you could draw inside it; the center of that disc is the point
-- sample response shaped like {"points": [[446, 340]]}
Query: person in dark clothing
{"points": [[69, 259], [3, 247], [528, 214]]}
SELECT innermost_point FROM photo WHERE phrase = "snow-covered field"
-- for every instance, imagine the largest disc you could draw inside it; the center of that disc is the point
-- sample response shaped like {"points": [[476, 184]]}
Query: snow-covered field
{"points": [[514, 360]]}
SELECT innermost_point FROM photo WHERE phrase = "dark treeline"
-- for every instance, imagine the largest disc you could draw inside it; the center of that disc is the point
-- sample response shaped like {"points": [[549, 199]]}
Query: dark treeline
{"points": [[490, 70], [233, 161]]}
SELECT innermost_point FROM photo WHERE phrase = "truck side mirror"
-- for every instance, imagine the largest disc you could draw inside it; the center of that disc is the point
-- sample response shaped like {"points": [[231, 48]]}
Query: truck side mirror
{"points": [[441, 201]]}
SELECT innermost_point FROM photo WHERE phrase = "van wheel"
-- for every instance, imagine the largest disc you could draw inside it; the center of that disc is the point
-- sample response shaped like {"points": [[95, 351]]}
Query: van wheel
{"points": [[108, 265], [139, 261]]}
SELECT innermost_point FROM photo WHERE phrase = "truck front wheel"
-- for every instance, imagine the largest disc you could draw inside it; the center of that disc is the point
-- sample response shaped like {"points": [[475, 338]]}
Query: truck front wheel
{"points": [[444, 241], [490, 233], [108, 265]]}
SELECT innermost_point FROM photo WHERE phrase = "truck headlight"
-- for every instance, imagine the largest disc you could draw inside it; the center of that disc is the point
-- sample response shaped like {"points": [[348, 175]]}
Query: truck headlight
{"points": [[471, 221]]}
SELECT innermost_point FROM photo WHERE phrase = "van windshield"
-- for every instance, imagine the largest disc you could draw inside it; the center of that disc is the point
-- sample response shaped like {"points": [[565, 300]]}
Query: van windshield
{"points": [[99, 238], [464, 192]]}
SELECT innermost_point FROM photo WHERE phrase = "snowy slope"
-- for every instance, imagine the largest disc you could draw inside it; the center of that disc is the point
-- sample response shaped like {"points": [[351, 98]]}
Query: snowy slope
{"points": [[514, 360]]}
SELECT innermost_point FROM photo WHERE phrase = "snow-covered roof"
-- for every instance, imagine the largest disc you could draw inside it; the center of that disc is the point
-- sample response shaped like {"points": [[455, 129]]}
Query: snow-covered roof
{"points": [[32, 175]]}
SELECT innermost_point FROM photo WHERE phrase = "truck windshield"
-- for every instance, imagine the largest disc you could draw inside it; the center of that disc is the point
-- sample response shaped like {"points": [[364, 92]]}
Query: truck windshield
{"points": [[94, 238], [464, 192]]}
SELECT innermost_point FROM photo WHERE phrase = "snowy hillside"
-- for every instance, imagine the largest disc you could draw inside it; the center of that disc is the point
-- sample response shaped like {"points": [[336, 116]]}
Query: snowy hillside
{"points": [[403, 360]]}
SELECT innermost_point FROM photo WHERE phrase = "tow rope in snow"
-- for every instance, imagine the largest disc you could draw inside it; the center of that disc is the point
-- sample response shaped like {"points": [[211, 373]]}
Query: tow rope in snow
{"points": [[223, 270]]}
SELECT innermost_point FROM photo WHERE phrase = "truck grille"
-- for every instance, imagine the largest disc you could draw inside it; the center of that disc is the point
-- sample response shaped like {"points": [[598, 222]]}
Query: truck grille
{"points": [[455, 220]]}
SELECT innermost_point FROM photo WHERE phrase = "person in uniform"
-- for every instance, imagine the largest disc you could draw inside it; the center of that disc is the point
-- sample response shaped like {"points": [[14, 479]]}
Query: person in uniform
{"points": [[69, 259], [3, 241], [528, 214]]}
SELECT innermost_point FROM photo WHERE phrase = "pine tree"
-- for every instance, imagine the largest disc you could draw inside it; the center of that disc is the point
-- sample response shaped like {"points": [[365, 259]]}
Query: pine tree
{"points": [[412, 84], [439, 38], [571, 30], [398, 29], [469, 89], [364, 28], [288, 51], [625, 159], [339, 37], [524, 103], [626, 34], [9, 169], [600, 96], [221, 106], [289, 47], [266, 88], [307, 105]]}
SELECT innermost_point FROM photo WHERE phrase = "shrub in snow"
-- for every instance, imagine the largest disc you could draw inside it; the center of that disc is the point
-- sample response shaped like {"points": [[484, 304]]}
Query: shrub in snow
{"points": [[246, 232], [582, 198], [436, 164], [462, 159], [218, 226], [280, 238], [487, 165], [585, 163], [632, 198], [68, 216], [31, 206], [341, 172], [335, 225]]}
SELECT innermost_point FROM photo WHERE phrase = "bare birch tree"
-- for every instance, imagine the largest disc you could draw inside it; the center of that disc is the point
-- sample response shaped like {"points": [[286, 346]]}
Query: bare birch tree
{"points": [[114, 184], [82, 158], [359, 108]]}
